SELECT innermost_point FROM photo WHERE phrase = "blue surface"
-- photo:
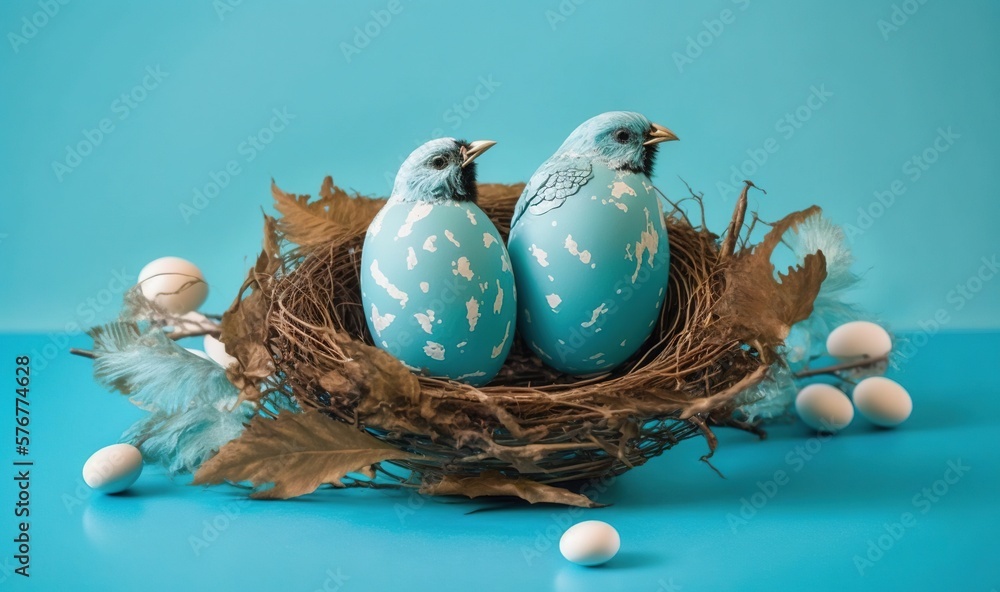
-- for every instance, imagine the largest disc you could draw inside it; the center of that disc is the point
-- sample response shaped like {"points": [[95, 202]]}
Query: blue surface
{"points": [[528, 72], [675, 516]]}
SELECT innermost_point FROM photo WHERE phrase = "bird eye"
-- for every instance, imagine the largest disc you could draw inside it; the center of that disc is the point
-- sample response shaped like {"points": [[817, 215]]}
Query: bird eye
{"points": [[622, 136], [439, 162]]}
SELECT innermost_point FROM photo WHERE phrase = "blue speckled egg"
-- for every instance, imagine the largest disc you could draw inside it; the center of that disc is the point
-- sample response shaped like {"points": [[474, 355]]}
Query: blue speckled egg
{"points": [[438, 289], [592, 273]]}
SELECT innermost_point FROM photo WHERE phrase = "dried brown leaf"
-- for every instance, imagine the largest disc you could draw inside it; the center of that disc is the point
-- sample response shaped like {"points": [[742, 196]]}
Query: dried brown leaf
{"points": [[759, 309], [335, 213], [244, 325], [492, 483], [381, 381], [296, 452]]}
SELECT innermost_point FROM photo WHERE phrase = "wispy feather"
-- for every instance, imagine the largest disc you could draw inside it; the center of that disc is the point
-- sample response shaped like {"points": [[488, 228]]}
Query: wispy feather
{"points": [[194, 408], [772, 397], [807, 338], [180, 442], [154, 371], [831, 307]]}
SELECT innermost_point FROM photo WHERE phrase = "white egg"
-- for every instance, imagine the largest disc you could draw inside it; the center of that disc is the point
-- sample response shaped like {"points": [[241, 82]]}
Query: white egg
{"points": [[859, 338], [824, 408], [113, 469], [882, 401], [216, 351], [198, 353], [174, 284], [591, 542]]}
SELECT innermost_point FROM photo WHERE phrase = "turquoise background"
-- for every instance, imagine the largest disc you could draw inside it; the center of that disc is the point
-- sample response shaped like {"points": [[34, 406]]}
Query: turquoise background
{"points": [[71, 246], [547, 66]]}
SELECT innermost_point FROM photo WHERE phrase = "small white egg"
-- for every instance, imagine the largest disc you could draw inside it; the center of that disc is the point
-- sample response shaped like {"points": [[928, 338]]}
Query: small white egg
{"points": [[113, 469], [175, 284], [824, 408], [199, 353], [590, 542], [216, 351], [882, 401], [859, 338]]}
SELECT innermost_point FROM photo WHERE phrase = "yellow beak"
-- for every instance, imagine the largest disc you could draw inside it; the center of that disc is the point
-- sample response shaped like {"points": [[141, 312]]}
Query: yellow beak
{"points": [[474, 150], [658, 134]]}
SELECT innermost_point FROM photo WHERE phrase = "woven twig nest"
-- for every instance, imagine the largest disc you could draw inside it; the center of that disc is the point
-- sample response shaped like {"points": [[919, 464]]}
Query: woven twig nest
{"points": [[298, 329]]}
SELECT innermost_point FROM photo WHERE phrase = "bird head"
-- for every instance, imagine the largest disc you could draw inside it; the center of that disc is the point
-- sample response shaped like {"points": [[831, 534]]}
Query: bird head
{"points": [[625, 140], [440, 169]]}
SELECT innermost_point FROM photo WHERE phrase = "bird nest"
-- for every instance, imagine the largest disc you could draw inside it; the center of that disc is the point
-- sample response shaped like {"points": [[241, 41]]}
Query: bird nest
{"points": [[299, 331]]}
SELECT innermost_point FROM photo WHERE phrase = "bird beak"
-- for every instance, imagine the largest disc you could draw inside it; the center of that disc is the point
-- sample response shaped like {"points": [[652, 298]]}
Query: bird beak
{"points": [[474, 150], [658, 134]]}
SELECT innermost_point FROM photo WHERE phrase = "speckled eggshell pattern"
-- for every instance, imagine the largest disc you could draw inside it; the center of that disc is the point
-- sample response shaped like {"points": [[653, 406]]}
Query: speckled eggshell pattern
{"points": [[592, 273], [438, 289]]}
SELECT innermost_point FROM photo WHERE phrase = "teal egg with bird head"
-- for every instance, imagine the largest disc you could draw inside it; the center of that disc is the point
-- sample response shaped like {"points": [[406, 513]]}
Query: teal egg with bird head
{"points": [[436, 280], [589, 247]]}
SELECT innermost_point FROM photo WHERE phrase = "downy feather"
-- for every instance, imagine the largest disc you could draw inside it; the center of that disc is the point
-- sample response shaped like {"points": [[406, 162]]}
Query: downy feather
{"points": [[193, 407]]}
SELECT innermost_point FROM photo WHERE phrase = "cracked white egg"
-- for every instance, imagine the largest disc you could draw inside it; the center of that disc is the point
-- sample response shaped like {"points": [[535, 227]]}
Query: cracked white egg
{"points": [[174, 284], [113, 469], [882, 401], [591, 542], [824, 408]]}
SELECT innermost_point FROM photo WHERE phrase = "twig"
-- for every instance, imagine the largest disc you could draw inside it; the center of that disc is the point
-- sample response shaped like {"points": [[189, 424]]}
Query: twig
{"points": [[214, 331], [698, 197], [83, 353], [736, 225], [843, 366], [710, 439], [746, 426]]}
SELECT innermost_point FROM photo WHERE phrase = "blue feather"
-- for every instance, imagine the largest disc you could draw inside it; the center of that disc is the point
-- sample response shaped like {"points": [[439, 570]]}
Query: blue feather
{"points": [[180, 442], [158, 374], [193, 407], [807, 339], [570, 169], [832, 308]]}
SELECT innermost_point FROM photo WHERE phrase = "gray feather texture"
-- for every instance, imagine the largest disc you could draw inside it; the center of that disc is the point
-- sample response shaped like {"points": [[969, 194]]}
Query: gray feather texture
{"points": [[193, 406]]}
